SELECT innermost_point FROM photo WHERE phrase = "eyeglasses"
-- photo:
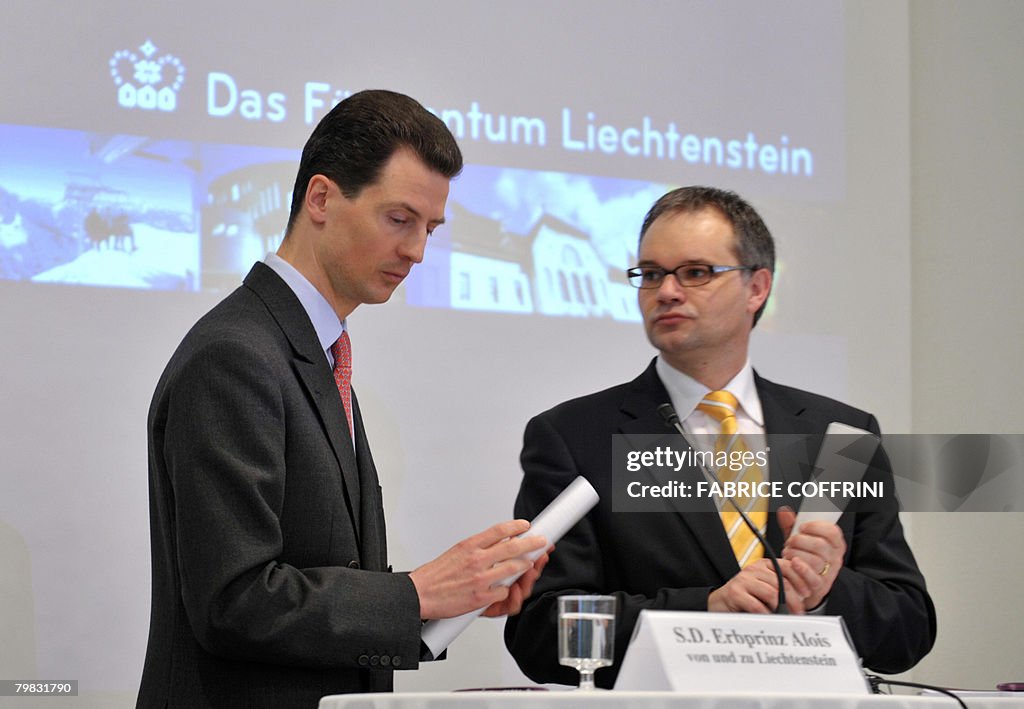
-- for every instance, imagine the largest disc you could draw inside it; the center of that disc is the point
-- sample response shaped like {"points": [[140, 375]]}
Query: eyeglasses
{"points": [[688, 274]]}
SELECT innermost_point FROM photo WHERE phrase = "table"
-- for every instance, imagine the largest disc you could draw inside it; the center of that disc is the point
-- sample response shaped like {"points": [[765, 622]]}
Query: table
{"points": [[602, 699]]}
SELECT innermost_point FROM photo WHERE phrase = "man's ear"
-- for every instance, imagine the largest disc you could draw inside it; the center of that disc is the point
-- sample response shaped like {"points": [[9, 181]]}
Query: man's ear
{"points": [[317, 193], [760, 285]]}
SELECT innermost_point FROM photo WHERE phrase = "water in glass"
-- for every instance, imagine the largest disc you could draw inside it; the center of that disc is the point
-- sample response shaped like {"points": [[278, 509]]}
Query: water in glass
{"points": [[586, 634]]}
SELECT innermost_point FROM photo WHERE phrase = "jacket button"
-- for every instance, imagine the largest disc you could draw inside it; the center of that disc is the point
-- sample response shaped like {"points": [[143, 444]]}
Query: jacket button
{"points": [[385, 660], [353, 564], [374, 660], [364, 660], [396, 661]]}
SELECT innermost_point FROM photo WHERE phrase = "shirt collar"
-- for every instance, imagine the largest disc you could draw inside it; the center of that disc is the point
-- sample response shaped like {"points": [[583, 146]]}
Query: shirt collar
{"points": [[321, 314], [686, 392]]}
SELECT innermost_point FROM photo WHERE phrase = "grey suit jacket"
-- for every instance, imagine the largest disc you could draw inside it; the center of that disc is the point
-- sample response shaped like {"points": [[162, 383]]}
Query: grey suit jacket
{"points": [[269, 562], [673, 560]]}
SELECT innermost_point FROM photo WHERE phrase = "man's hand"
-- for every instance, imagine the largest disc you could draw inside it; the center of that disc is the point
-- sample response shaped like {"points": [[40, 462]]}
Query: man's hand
{"points": [[815, 554], [465, 577], [519, 591], [755, 589]]}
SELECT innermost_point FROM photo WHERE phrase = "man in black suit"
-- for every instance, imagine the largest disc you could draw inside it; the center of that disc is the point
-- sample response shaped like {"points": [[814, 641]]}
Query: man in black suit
{"points": [[271, 585], [706, 263]]}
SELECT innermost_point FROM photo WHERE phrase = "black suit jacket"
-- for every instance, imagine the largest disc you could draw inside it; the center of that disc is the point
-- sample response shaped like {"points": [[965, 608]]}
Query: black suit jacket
{"points": [[270, 579], [673, 561]]}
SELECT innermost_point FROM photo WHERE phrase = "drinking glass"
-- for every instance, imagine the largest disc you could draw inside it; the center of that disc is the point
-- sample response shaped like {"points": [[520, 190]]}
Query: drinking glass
{"points": [[586, 634]]}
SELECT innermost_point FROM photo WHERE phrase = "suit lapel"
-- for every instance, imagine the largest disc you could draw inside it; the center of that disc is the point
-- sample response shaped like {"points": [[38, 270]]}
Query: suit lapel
{"points": [[372, 537], [640, 407], [795, 441], [314, 373], [318, 380]]}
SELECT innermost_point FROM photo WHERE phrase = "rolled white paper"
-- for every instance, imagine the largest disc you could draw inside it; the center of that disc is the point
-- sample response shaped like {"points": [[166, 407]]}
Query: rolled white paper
{"points": [[552, 523]]}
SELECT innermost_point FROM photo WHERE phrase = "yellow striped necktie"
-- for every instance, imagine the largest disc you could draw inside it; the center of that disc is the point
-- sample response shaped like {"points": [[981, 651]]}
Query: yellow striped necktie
{"points": [[721, 406]]}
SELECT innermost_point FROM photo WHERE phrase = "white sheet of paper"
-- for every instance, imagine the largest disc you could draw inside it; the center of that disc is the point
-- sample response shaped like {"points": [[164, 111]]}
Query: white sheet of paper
{"points": [[834, 467]]}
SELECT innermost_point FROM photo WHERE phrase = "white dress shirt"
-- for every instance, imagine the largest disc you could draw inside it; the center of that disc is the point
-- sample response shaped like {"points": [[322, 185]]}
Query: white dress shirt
{"points": [[686, 393]]}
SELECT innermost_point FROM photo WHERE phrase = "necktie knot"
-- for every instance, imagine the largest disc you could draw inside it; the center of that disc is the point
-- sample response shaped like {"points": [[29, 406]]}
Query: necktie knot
{"points": [[719, 405], [341, 350]]}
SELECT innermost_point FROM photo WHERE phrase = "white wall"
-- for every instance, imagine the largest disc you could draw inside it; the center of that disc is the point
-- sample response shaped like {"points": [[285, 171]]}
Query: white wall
{"points": [[967, 339]]}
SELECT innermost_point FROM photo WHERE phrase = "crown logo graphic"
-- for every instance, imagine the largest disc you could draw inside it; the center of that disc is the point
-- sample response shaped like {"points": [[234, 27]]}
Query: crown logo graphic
{"points": [[149, 82]]}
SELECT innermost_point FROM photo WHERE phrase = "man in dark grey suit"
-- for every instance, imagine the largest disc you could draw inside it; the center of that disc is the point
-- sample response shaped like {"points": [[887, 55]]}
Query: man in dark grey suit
{"points": [[271, 585], [706, 262]]}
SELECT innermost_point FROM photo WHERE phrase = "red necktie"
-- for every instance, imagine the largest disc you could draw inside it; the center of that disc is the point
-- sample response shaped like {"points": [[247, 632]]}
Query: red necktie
{"points": [[342, 351]]}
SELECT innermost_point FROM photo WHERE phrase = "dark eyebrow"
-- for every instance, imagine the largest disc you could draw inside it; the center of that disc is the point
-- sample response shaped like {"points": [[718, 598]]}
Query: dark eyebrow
{"points": [[691, 262]]}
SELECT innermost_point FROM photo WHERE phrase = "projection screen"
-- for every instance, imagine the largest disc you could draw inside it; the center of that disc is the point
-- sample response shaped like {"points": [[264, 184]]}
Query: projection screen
{"points": [[147, 153]]}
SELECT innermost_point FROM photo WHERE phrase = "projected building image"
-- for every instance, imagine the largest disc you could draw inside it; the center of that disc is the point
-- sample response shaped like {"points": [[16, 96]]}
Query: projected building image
{"points": [[128, 211]]}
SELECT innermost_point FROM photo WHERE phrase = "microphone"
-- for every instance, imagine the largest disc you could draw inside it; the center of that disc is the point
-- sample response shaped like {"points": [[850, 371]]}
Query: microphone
{"points": [[668, 413]]}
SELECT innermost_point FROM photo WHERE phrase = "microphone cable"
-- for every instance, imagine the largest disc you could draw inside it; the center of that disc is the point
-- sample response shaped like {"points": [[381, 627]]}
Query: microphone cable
{"points": [[875, 681], [668, 412]]}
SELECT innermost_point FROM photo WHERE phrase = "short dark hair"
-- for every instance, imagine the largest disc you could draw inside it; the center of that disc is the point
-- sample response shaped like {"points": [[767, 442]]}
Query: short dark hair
{"points": [[754, 244], [357, 137]]}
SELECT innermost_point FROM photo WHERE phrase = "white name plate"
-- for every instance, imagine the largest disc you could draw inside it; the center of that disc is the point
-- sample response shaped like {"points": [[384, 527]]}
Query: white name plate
{"points": [[740, 652]]}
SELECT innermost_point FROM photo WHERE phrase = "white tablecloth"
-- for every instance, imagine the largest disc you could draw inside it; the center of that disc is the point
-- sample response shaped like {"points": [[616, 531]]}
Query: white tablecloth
{"points": [[649, 700]]}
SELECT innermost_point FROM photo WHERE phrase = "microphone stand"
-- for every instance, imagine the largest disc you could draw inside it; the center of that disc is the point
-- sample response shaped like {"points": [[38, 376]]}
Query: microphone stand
{"points": [[668, 413]]}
